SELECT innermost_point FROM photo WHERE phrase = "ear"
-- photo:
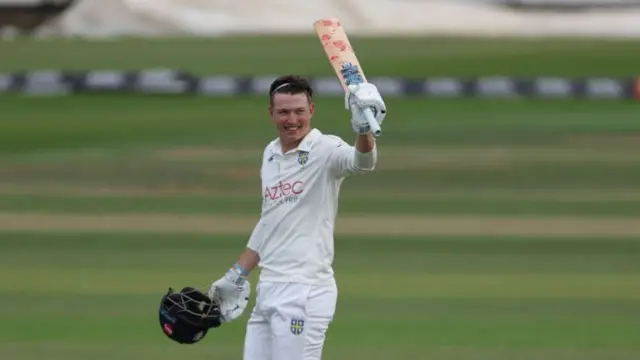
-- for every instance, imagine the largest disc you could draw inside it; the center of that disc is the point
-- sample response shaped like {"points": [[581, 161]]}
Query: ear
{"points": [[312, 108]]}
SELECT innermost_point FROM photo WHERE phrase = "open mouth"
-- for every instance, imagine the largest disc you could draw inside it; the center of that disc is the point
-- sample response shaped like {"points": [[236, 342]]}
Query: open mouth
{"points": [[292, 128]]}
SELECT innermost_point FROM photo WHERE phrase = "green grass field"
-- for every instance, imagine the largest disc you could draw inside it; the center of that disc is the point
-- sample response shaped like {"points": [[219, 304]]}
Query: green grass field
{"points": [[491, 230]]}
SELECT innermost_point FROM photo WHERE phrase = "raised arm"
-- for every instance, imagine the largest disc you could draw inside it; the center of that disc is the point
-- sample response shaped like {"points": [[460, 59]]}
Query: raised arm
{"points": [[365, 143], [362, 157], [345, 159]]}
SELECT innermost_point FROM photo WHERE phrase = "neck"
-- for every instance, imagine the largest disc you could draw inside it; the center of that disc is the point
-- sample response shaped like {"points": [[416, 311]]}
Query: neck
{"points": [[287, 146], [290, 145]]}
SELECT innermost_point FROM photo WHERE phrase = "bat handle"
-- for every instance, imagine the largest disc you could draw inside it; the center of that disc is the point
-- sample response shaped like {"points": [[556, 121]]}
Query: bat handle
{"points": [[375, 128]]}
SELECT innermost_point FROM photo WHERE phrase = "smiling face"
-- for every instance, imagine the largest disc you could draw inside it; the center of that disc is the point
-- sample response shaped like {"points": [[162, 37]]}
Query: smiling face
{"points": [[291, 113]]}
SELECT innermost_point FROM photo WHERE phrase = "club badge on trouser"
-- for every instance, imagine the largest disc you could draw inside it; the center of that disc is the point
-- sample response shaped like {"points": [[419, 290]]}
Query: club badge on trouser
{"points": [[303, 157], [297, 326]]}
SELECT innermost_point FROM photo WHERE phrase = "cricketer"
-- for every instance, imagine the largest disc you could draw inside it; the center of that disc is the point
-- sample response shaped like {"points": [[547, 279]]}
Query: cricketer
{"points": [[292, 243]]}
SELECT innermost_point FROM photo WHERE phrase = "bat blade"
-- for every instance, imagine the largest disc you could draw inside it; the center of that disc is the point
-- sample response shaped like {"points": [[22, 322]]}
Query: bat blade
{"points": [[342, 57], [338, 48]]}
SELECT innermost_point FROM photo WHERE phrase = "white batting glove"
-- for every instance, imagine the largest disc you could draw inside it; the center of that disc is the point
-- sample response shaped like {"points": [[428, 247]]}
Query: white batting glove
{"points": [[232, 292], [360, 97]]}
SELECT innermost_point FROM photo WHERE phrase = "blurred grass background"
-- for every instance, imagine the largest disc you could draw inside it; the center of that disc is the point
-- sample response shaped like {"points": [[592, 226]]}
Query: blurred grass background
{"points": [[74, 295], [395, 56]]}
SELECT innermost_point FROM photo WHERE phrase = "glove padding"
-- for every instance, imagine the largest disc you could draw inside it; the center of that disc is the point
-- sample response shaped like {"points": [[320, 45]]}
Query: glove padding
{"points": [[360, 97], [232, 293]]}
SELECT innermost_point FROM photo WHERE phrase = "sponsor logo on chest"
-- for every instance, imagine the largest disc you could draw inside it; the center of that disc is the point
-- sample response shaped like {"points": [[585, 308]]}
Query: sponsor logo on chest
{"points": [[284, 189], [286, 183], [284, 192]]}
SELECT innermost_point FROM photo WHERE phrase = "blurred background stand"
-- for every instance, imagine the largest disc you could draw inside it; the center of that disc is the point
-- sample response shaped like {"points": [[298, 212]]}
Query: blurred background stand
{"points": [[24, 16]]}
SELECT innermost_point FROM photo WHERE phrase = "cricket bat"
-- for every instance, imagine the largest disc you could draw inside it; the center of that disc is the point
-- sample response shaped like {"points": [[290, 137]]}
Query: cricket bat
{"points": [[342, 57]]}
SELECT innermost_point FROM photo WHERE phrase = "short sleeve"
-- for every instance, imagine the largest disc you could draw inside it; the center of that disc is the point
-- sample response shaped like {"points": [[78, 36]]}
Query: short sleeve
{"points": [[255, 240], [345, 160]]}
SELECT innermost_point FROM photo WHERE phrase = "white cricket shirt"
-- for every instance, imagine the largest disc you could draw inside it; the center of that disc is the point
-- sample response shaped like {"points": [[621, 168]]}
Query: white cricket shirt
{"points": [[294, 237]]}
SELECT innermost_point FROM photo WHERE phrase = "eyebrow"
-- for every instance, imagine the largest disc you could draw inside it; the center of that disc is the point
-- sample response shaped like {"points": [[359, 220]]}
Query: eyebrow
{"points": [[294, 109]]}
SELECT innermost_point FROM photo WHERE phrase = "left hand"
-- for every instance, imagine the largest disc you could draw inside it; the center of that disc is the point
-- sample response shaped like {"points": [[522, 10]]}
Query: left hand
{"points": [[360, 97], [232, 292]]}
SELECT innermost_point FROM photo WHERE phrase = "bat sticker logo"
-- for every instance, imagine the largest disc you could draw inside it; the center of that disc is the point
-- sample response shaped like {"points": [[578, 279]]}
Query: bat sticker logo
{"points": [[351, 74], [340, 44]]}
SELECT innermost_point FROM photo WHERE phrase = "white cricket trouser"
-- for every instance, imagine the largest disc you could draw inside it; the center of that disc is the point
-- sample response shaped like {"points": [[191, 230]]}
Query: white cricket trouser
{"points": [[289, 321]]}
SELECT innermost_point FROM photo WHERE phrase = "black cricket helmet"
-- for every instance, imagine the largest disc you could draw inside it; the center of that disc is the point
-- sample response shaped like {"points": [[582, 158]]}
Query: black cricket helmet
{"points": [[187, 316]]}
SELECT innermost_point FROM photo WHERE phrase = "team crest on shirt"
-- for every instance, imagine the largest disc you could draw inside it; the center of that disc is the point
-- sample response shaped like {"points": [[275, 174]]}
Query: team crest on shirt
{"points": [[303, 157], [297, 326]]}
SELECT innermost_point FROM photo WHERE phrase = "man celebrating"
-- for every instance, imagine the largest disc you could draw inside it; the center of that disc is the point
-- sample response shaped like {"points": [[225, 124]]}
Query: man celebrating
{"points": [[301, 174]]}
